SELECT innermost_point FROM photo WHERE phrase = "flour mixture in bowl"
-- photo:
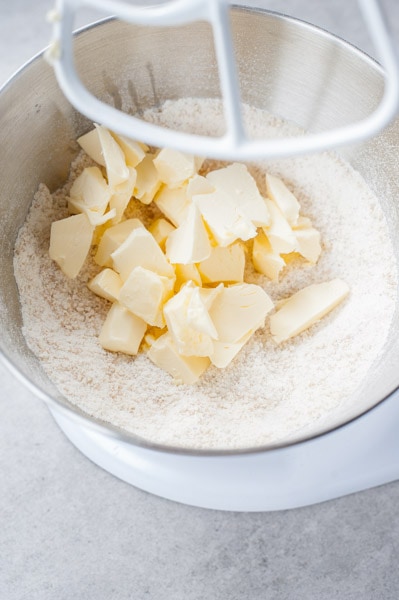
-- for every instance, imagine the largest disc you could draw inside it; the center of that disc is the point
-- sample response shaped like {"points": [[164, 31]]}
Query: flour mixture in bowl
{"points": [[269, 392]]}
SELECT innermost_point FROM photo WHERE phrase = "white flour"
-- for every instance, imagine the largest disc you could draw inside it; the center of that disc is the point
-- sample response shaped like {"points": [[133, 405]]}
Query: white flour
{"points": [[269, 391]]}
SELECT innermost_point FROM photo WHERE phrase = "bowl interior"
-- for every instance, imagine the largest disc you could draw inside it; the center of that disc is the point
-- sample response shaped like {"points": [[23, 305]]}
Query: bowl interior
{"points": [[293, 70]]}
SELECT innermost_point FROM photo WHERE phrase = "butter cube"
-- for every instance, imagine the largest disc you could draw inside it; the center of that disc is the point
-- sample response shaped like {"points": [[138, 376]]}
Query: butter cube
{"points": [[306, 307], [132, 150], [189, 323], [283, 198], [174, 168], [91, 145], [106, 284], [208, 295], [238, 184], [117, 171], [186, 273], [70, 242], [95, 218], [198, 185], [223, 218], [144, 294], [160, 229], [224, 353], [224, 264], [238, 310], [308, 243], [122, 331], [111, 240], [189, 243], [174, 204], [153, 333], [184, 369], [140, 250], [122, 195], [265, 260], [280, 235], [302, 223], [148, 182], [91, 190]]}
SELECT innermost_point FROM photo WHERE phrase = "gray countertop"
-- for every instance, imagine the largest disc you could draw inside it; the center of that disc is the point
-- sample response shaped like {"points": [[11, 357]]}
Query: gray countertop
{"points": [[69, 530]]}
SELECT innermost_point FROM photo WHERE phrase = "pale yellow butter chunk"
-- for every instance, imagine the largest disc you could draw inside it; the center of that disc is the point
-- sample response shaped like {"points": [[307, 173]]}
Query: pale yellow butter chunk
{"points": [[238, 310], [122, 194], [174, 168], [140, 250], [302, 223], [283, 198], [90, 143], [306, 307], [264, 259], [144, 294], [122, 331], [117, 171], [174, 204], [132, 150], [198, 185], [223, 218], [236, 181], [91, 190], [70, 242], [95, 218], [308, 243], [164, 354], [224, 353], [148, 182], [225, 264], [208, 295], [112, 238], [279, 233], [189, 323], [160, 229], [189, 243], [106, 284], [186, 273]]}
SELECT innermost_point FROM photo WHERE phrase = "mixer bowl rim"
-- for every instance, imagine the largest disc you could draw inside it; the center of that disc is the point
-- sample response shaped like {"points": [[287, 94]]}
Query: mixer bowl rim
{"points": [[108, 429]]}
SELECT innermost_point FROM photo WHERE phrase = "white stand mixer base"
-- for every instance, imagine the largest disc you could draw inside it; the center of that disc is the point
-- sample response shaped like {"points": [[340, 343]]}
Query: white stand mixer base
{"points": [[360, 455]]}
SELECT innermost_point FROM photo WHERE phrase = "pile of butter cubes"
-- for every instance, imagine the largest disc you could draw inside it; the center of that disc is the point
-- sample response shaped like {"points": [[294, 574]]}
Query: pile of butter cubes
{"points": [[177, 287]]}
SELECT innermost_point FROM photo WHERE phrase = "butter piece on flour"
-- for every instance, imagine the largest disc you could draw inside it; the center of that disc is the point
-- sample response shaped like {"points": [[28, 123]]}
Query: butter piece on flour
{"points": [[306, 307], [174, 168], [112, 238], [132, 150], [70, 242], [223, 218], [238, 310], [224, 264], [160, 229], [147, 182], [189, 243], [236, 181], [184, 369], [189, 323], [279, 233], [106, 284], [122, 331], [264, 259], [174, 204], [140, 250], [117, 171], [283, 198], [144, 294], [91, 190]]}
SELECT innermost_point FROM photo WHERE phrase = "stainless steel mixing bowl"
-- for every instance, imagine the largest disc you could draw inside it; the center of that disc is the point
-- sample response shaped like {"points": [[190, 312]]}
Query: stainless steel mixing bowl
{"points": [[289, 68]]}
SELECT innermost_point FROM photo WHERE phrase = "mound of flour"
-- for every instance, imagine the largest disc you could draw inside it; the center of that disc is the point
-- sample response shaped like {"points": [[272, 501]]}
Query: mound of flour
{"points": [[269, 391]]}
